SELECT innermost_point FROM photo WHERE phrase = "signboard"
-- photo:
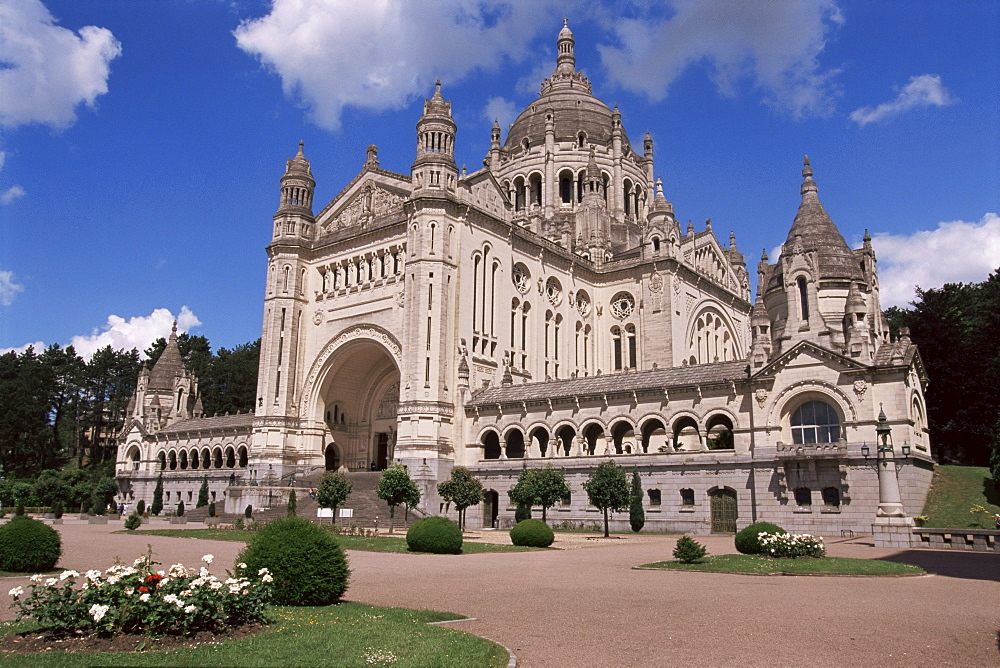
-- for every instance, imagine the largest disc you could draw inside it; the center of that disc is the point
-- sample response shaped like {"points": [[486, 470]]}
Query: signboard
{"points": [[345, 512], [324, 512]]}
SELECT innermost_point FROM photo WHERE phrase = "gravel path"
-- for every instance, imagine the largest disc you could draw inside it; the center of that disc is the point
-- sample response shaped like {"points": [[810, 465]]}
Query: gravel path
{"points": [[585, 605]]}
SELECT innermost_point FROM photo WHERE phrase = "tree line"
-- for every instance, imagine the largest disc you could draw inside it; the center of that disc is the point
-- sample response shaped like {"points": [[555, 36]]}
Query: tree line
{"points": [[955, 329], [57, 408]]}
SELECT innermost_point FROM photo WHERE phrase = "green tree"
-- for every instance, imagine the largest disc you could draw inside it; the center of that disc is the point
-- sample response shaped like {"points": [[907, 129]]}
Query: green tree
{"points": [[292, 503], [607, 489], [109, 385], [157, 506], [333, 491], [462, 489], [202, 493], [550, 487], [50, 488], [636, 515], [230, 383], [995, 457], [395, 487], [25, 405]]}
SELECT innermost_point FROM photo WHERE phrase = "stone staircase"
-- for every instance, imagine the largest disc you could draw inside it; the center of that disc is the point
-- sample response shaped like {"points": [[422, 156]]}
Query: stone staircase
{"points": [[362, 500]]}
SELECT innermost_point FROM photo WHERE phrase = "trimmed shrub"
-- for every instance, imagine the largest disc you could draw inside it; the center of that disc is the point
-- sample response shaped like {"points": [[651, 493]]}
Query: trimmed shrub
{"points": [[292, 503], [97, 505], [688, 550], [437, 535], [180, 509], [133, 522], [248, 511], [140, 507], [27, 545], [19, 510], [157, 506], [211, 509], [532, 533], [747, 539], [306, 562], [57, 510], [522, 512], [203, 493]]}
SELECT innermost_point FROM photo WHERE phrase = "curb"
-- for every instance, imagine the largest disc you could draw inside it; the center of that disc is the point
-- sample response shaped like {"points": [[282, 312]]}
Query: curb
{"points": [[511, 661], [783, 573]]}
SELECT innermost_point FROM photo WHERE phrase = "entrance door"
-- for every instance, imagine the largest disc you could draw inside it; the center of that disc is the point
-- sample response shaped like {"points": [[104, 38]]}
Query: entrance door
{"points": [[332, 458], [491, 509], [724, 512], [382, 462]]}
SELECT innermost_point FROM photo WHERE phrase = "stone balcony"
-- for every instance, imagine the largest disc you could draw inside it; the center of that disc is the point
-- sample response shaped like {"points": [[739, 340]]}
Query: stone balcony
{"points": [[787, 451]]}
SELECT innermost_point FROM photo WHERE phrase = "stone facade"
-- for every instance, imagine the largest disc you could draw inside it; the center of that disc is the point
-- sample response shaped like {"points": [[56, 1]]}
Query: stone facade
{"points": [[548, 308]]}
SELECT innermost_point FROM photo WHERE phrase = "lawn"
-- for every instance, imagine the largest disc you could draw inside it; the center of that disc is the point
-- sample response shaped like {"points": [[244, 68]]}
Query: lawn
{"points": [[760, 565], [348, 634], [361, 543], [954, 491]]}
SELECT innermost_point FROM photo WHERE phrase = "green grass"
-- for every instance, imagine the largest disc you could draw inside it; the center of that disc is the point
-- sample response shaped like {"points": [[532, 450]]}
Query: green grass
{"points": [[759, 565], [361, 543], [954, 490], [340, 635]]}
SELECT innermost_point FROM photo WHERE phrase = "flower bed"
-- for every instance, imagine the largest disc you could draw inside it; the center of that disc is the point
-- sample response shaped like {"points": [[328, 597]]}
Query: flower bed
{"points": [[791, 545], [138, 599]]}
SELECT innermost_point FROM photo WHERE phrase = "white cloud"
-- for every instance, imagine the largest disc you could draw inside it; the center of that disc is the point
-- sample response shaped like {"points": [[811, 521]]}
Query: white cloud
{"points": [[38, 346], [8, 288], [921, 91], [381, 54], [11, 194], [775, 45], [955, 252], [137, 332], [49, 70], [502, 110]]}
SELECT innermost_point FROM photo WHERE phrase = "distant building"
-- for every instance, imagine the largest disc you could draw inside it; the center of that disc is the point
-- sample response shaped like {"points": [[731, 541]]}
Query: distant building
{"points": [[548, 308]]}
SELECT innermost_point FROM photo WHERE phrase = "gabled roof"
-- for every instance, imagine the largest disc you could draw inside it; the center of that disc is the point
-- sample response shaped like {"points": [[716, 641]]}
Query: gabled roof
{"points": [[656, 379]]}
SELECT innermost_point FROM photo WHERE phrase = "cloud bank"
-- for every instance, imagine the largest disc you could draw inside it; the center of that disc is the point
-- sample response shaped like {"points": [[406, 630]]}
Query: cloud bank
{"points": [[774, 45], [380, 55], [955, 252], [921, 91], [48, 70], [137, 332], [8, 288]]}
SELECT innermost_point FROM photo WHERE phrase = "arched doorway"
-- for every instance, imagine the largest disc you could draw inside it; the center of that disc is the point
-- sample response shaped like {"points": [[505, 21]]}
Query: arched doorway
{"points": [[491, 509], [724, 511], [332, 456], [356, 399]]}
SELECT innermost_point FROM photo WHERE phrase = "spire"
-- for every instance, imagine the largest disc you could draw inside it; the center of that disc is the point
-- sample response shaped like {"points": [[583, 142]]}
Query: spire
{"points": [[169, 366], [436, 132], [297, 184], [566, 60], [495, 133], [808, 185]]}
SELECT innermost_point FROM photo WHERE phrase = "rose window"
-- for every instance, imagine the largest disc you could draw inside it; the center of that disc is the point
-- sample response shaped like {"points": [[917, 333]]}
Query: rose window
{"points": [[522, 279], [582, 303], [553, 291], [622, 305]]}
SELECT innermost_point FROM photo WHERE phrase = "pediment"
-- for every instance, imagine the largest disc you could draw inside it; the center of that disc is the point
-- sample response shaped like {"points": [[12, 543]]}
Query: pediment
{"points": [[371, 195], [807, 353], [485, 193]]}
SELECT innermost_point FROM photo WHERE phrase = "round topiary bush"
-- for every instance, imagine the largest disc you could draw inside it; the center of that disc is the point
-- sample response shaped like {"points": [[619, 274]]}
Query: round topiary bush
{"points": [[746, 539], [437, 535], [532, 533], [306, 562], [133, 522], [27, 545]]}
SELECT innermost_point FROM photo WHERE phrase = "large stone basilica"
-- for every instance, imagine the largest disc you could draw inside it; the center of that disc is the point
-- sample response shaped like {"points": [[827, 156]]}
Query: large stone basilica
{"points": [[549, 309]]}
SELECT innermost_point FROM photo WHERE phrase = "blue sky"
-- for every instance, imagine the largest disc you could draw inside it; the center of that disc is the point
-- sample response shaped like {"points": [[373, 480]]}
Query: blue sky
{"points": [[141, 142]]}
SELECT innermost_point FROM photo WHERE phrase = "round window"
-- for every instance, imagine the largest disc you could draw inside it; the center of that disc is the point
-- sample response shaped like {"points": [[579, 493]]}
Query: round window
{"points": [[521, 278], [622, 305]]}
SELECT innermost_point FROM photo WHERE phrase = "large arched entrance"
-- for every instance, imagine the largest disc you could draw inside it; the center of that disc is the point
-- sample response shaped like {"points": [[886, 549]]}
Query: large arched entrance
{"points": [[491, 509], [356, 397], [724, 511]]}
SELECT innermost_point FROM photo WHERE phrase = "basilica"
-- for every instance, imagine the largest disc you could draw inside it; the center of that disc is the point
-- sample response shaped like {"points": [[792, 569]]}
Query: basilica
{"points": [[548, 308]]}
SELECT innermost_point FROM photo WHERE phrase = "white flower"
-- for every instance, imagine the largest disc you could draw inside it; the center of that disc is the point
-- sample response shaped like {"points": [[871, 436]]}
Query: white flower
{"points": [[186, 592], [51, 582], [98, 611], [93, 575], [68, 574], [207, 558], [144, 598], [241, 565], [189, 609], [262, 571], [38, 578], [215, 586], [170, 598], [15, 592], [266, 578]]}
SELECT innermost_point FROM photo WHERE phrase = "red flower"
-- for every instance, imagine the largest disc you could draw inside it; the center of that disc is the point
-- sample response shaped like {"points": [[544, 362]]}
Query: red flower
{"points": [[143, 590]]}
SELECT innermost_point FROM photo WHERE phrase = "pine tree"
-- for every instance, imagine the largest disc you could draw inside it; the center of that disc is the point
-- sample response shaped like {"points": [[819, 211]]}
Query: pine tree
{"points": [[203, 493], [157, 506], [292, 503], [636, 515]]}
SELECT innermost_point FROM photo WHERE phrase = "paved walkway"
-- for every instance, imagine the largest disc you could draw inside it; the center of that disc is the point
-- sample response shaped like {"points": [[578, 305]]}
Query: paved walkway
{"points": [[588, 607]]}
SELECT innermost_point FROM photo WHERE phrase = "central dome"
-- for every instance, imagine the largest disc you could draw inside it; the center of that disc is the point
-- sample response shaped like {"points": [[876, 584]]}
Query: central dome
{"points": [[565, 97]]}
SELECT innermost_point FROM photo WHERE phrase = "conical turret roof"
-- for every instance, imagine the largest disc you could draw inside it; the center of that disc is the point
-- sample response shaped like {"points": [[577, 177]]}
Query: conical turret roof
{"points": [[169, 366], [815, 231]]}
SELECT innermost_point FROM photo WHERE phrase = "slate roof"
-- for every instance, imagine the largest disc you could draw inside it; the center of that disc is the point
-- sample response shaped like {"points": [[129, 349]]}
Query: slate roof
{"points": [[169, 366], [656, 379], [237, 421]]}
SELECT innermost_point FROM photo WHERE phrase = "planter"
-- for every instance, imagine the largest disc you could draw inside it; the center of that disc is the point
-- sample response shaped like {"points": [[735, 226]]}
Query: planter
{"points": [[83, 516], [178, 520], [57, 520], [211, 521], [49, 516], [114, 516], [98, 519]]}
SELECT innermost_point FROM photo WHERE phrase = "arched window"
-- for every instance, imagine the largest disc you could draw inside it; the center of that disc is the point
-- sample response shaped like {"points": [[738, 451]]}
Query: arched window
{"points": [[630, 335], [616, 343], [803, 497], [654, 497], [831, 497], [815, 422], [687, 497], [803, 297]]}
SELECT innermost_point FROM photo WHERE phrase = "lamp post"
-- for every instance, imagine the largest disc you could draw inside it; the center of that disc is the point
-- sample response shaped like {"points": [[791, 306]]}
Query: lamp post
{"points": [[892, 526]]}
